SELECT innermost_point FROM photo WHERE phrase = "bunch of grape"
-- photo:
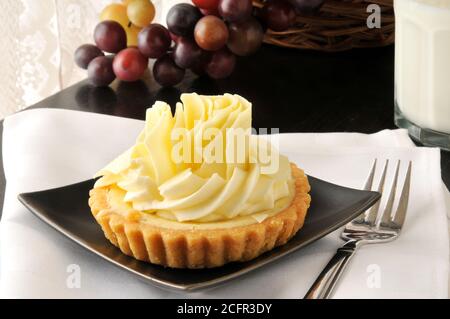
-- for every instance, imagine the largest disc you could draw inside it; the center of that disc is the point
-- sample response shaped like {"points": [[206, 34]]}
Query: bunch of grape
{"points": [[209, 34], [207, 37], [117, 35]]}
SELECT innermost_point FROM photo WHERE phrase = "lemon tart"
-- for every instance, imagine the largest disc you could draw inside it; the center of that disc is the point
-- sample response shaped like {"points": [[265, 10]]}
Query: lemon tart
{"points": [[198, 190]]}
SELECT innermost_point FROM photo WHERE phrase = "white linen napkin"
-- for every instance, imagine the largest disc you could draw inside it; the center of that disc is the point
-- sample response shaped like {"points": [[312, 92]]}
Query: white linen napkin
{"points": [[51, 148]]}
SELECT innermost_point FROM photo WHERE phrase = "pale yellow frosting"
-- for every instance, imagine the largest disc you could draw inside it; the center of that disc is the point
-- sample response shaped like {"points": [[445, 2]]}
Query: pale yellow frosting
{"points": [[199, 182]]}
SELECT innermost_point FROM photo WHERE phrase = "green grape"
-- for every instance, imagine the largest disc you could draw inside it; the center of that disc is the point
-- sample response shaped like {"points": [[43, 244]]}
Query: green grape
{"points": [[132, 35], [116, 12], [141, 12]]}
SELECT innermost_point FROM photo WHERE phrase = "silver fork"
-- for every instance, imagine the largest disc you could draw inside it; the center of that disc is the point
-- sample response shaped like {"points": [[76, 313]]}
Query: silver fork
{"points": [[372, 227]]}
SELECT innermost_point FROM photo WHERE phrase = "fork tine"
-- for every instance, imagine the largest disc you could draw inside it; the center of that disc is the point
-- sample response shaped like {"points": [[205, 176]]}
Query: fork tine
{"points": [[386, 217], [373, 212], [400, 215], [369, 182], [367, 187]]}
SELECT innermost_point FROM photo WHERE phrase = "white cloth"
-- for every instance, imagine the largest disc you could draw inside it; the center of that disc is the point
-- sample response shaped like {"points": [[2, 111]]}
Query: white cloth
{"points": [[50, 148]]}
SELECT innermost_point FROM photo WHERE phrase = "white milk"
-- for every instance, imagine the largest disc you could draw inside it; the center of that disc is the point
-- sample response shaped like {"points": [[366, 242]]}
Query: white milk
{"points": [[422, 62]]}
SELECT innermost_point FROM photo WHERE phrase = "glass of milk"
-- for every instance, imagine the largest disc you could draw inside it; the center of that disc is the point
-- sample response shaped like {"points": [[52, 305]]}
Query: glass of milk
{"points": [[422, 70]]}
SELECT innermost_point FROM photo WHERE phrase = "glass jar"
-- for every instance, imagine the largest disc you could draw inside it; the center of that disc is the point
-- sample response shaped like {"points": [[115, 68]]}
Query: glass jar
{"points": [[422, 70]]}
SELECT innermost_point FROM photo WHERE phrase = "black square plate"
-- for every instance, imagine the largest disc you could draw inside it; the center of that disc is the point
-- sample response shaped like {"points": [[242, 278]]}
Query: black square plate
{"points": [[66, 209]]}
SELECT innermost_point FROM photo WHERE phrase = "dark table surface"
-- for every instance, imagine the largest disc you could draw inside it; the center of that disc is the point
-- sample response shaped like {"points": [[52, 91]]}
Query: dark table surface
{"points": [[295, 91]]}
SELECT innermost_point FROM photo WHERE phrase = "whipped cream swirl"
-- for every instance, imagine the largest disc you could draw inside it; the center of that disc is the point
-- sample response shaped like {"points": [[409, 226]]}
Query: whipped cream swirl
{"points": [[203, 190]]}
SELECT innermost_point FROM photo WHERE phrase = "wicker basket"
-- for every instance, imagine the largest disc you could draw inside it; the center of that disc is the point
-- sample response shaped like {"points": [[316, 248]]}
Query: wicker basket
{"points": [[339, 25]]}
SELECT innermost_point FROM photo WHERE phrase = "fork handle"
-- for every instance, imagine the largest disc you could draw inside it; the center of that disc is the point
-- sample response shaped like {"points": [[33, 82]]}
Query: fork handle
{"points": [[328, 278]]}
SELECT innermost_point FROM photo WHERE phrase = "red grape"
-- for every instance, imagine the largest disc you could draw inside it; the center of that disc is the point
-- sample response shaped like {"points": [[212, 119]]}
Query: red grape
{"points": [[154, 41], [186, 53], [110, 36], [245, 37], [307, 6], [85, 54], [279, 14], [100, 71], [129, 65], [258, 14], [181, 19], [174, 37], [221, 65], [166, 72], [206, 4], [199, 66], [235, 10], [211, 33], [210, 12]]}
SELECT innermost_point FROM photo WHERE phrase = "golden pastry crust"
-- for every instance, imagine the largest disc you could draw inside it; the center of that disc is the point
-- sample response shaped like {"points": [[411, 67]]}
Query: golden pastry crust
{"points": [[200, 248]]}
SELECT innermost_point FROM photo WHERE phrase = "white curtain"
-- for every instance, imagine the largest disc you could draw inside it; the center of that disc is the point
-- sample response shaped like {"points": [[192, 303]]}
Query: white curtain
{"points": [[37, 42]]}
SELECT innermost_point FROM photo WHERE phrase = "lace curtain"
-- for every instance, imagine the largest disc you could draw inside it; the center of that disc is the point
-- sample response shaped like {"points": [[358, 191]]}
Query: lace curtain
{"points": [[37, 44]]}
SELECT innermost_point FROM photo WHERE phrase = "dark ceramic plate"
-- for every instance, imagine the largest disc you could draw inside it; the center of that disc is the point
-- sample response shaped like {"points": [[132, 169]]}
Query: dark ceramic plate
{"points": [[66, 209]]}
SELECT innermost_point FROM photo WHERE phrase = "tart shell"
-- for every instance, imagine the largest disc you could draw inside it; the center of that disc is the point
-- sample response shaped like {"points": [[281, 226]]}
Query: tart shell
{"points": [[204, 248]]}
